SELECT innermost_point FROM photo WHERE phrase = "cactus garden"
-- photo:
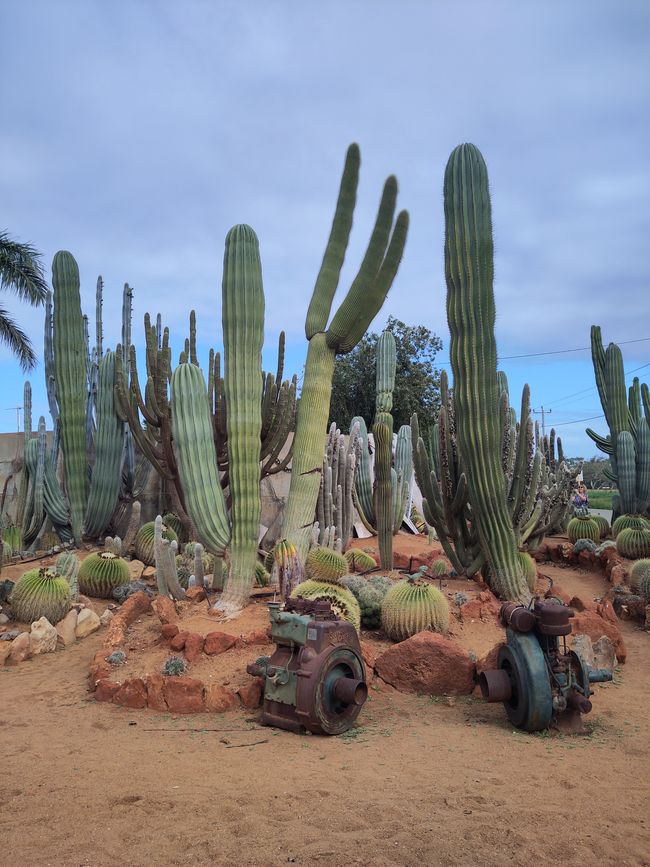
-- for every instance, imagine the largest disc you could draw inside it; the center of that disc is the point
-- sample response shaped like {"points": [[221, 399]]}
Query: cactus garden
{"points": [[325, 467]]}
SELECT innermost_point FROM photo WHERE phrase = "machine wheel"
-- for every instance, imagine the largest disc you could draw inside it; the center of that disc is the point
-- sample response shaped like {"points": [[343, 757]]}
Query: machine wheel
{"points": [[530, 706], [318, 707]]}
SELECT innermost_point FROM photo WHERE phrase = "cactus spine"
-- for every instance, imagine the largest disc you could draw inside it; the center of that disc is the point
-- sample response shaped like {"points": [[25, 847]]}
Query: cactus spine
{"points": [[362, 302], [411, 606], [40, 593], [69, 366], [471, 313]]}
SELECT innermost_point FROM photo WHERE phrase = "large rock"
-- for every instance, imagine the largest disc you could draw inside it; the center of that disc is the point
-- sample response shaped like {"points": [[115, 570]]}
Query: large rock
{"points": [[605, 653], [43, 637], [5, 650], [155, 694], [184, 694], [219, 699], [66, 628], [250, 695], [106, 617], [484, 606], [132, 693], [592, 624], [489, 660], [87, 623], [136, 568], [20, 649], [178, 641], [193, 648], [218, 642], [427, 663], [106, 690], [195, 594], [165, 609]]}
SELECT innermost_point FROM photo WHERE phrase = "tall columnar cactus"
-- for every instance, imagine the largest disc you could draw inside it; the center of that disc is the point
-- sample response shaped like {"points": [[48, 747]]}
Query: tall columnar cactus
{"points": [[335, 504], [243, 338], [362, 302], [384, 491], [70, 372], [628, 441], [165, 553], [469, 271]]}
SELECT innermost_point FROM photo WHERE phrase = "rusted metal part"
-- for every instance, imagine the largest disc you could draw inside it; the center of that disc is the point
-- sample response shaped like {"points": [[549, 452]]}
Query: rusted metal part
{"points": [[520, 618], [495, 685], [552, 618], [315, 679]]}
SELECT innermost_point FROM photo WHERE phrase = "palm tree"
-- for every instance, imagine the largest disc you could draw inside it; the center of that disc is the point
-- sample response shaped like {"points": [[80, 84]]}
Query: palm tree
{"points": [[22, 273]]}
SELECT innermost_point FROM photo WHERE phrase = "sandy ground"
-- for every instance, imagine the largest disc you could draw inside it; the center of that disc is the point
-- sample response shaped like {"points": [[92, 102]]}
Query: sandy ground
{"points": [[418, 781]]}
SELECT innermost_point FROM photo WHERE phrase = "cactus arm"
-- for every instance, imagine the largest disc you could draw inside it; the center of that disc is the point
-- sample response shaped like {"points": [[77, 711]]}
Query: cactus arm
{"points": [[598, 360], [645, 397], [364, 481], [603, 443], [70, 383], [471, 316], [334, 256], [383, 440], [626, 472]]}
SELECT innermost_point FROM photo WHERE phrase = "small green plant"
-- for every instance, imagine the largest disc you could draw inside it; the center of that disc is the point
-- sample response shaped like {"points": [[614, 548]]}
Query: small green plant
{"points": [[174, 666]]}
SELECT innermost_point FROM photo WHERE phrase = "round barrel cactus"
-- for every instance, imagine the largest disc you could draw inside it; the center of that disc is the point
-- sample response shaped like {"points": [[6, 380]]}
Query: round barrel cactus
{"points": [[603, 525], [629, 522], [40, 593], [342, 601], [633, 544], [638, 572], [67, 566], [325, 564], [144, 542], [359, 561], [439, 568], [100, 573], [262, 577], [583, 527], [174, 523], [411, 606]]}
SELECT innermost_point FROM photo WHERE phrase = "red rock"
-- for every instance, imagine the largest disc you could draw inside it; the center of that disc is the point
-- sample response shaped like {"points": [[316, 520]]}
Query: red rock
{"points": [[134, 606], [251, 694], [169, 630], [427, 663], [612, 563], [219, 699], [132, 693], [618, 574], [261, 636], [193, 649], [554, 553], [606, 611], [184, 694], [557, 591], [579, 603], [592, 624], [490, 659], [586, 559], [165, 609], [106, 690], [483, 607], [540, 554], [195, 594], [155, 692], [115, 634], [20, 649], [178, 641], [218, 642], [400, 560], [369, 653]]}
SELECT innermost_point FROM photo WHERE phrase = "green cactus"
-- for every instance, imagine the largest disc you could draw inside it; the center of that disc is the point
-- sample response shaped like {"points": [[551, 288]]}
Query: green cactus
{"points": [[288, 567], [633, 544], [439, 569], [412, 606], [173, 521], [632, 522], [471, 314], [603, 525], [362, 302], [342, 601], [144, 542], [530, 569], [40, 593], [262, 577], [165, 552], [70, 371], [100, 573], [324, 564], [639, 571], [335, 505], [67, 566], [174, 666], [359, 560], [383, 434], [583, 527], [370, 596]]}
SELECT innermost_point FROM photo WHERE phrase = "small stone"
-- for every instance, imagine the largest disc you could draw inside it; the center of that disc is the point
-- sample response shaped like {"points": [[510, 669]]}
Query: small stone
{"points": [[117, 657], [604, 653], [3, 619], [579, 603], [5, 650], [20, 649], [66, 628], [183, 694], [169, 630], [490, 660], [219, 699], [10, 635], [260, 636], [106, 617], [136, 568], [43, 636], [178, 641], [195, 594], [87, 623], [132, 693], [165, 609], [155, 694], [106, 689], [218, 642], [251, 694], [193, 648], [149, 572]]}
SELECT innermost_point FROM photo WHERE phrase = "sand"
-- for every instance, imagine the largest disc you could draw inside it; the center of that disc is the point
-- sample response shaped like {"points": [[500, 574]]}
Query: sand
{"points": [[418, 781]]}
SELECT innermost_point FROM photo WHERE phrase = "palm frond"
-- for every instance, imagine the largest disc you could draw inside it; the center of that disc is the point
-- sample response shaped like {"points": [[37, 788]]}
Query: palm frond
{"points": [[17, 341], [21, 271]]}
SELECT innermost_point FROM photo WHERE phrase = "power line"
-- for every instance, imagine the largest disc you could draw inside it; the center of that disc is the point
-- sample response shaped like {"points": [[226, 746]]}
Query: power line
{"points": [[578, 421], [447, 361], [593, 387]]}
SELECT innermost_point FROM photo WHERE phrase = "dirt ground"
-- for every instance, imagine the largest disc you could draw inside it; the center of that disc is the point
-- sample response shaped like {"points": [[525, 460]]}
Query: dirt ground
{"points": [[419, 780]]}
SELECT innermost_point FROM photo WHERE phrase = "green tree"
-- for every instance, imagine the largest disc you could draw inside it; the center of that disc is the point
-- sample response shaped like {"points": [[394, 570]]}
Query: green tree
{"points": [[416, 379], [21, 273]]}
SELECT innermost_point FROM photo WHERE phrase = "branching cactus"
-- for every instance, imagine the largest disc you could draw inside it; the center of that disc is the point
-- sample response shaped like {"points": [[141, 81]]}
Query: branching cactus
{"points": [[165, 558], [469, 270], [335, 505], [348, 325]]}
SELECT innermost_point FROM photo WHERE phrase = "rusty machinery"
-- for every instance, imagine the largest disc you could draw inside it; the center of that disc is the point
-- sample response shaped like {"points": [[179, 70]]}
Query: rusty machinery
{"points": [[538, 679], [315, 679]]}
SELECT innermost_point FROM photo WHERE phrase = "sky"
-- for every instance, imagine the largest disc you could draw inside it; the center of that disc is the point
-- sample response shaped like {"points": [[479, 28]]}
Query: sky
{"points": [[136, 133]]}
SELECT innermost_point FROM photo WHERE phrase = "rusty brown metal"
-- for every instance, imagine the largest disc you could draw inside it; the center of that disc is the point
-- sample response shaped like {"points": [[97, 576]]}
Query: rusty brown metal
{"points": [[518, 617], [553, 619], [495, 685]]}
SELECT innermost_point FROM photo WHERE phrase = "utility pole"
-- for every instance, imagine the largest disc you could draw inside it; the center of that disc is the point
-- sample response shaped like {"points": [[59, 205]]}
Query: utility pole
{"points": [[542, 412]]}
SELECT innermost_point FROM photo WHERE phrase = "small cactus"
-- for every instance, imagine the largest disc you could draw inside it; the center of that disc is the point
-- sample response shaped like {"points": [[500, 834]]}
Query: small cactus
{"points": [[262, 577], [585, 545], [412, 606], [359, 561], [325, 564], [145, 539], [583, 527], [174, 666], [342, 601], [638, 572], [100, 573], [40, 593], [67, 566], [603, 525], [629, 522], [439, 569], [633, 544]]}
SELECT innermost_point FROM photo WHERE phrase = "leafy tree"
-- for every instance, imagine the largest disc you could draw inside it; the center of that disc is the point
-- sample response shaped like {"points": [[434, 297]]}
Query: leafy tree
{"points": [[21, 273], [416, 378], [593, 473]]}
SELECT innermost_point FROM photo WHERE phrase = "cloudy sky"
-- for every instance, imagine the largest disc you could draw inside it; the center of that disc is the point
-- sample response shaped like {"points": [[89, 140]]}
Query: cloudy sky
{"points": [[136, 133]]}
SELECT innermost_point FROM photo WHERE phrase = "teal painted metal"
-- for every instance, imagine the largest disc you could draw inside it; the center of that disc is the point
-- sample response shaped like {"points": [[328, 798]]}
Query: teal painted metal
{"points": [[531, 705]]}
